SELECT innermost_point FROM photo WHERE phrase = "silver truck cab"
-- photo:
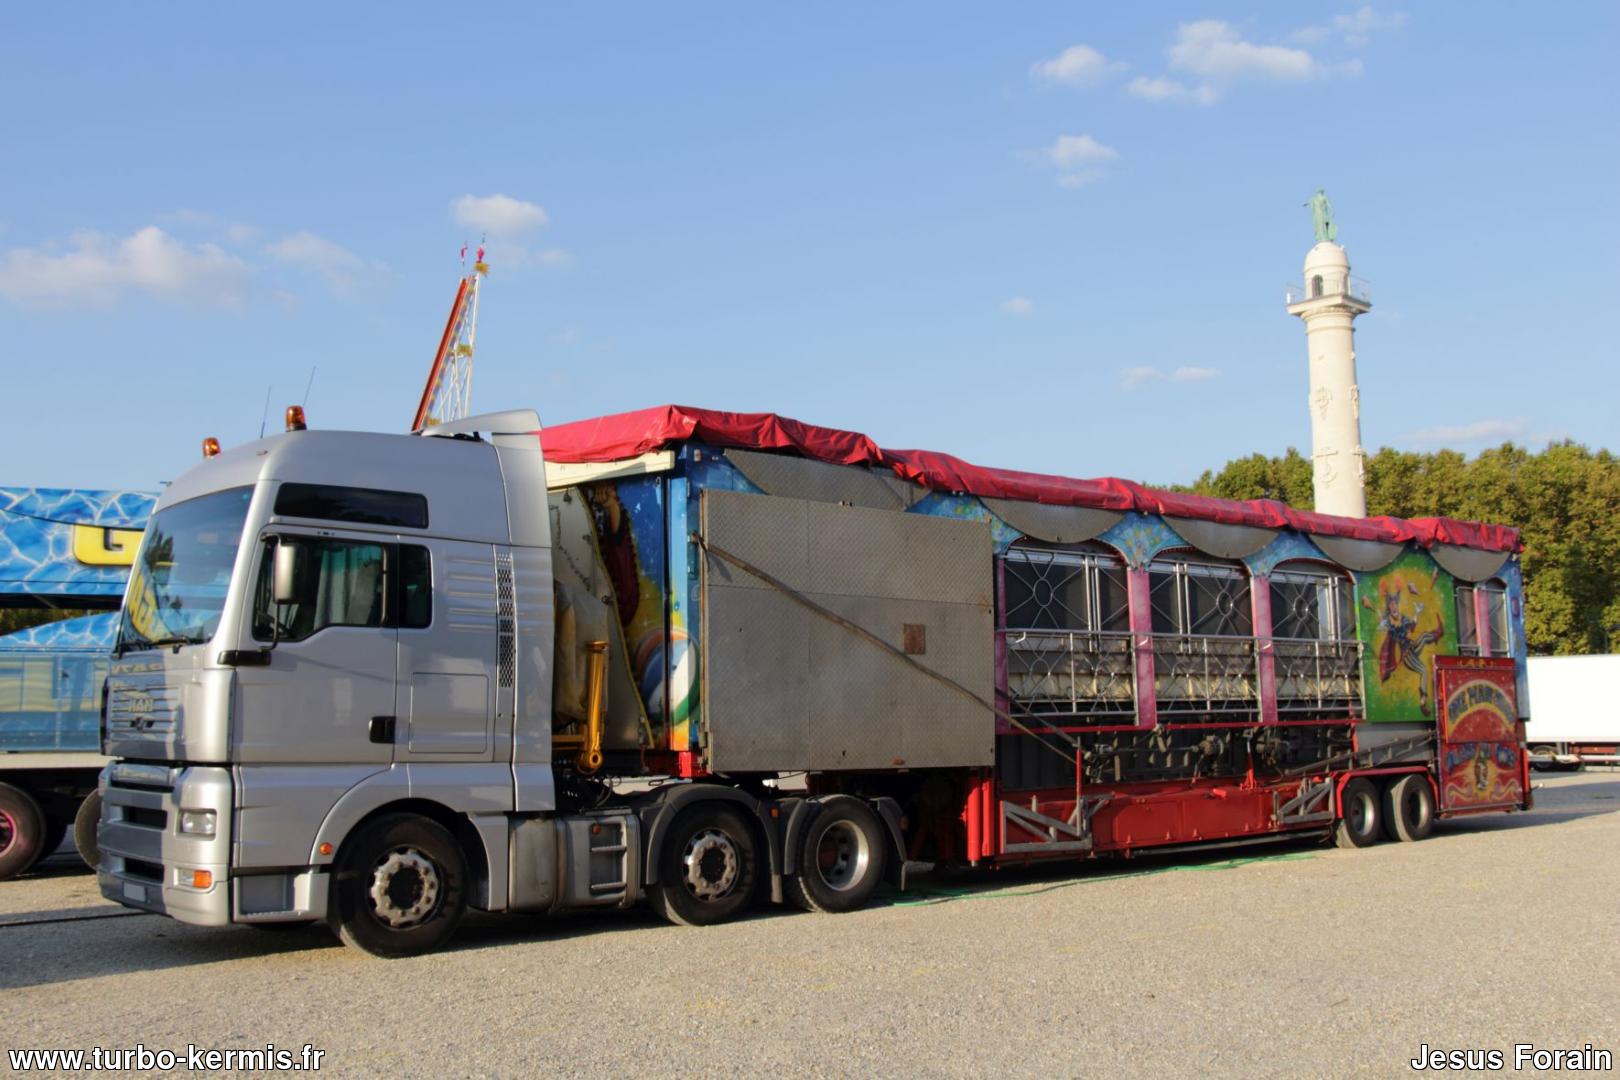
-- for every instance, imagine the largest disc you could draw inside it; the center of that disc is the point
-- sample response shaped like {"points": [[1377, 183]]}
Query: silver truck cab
{"points": [[319, 625]]}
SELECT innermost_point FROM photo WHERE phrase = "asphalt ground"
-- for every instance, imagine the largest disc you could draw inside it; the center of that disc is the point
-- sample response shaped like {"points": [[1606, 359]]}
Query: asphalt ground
{"points": [[1295, 961]]}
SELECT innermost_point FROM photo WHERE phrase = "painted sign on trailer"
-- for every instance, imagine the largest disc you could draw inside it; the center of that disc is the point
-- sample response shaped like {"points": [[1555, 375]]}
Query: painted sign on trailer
{"points": [[1481, 758]]}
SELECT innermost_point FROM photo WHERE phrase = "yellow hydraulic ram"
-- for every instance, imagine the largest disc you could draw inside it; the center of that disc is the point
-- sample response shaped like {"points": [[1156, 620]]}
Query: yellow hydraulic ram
{"points": [[590, 755]]}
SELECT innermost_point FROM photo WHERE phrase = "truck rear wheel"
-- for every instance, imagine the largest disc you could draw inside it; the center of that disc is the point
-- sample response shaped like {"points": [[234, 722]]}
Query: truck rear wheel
{"points": [[22, 831], [707, 868], [84, 829], [1359, 814], [840, 858], [1408, 808], [399, 887]]}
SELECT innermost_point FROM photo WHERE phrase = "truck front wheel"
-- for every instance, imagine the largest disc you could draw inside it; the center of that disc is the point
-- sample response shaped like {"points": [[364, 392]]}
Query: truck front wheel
{"points": [[399, 887], [707, 868], [840, 858], [22, 831]]}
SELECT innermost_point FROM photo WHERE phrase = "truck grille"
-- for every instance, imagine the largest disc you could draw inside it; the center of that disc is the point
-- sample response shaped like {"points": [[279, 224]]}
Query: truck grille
{"points": [[137, 868], [136, 710]]}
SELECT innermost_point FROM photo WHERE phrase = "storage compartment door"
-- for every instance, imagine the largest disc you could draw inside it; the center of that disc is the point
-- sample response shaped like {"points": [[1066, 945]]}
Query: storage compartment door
{"points": [[1482, 763], [786, 689]]}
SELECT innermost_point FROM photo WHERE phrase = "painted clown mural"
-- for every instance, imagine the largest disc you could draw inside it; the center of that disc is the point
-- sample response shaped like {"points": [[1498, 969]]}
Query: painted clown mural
{"points": [[629, 523], [1406, 615]]}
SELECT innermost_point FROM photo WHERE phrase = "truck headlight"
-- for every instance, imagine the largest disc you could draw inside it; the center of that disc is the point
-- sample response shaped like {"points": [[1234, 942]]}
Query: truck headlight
{"points": [[197, 822]]}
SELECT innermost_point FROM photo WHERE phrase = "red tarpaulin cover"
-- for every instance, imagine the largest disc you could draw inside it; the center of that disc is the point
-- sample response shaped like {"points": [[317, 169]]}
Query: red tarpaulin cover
{"points": [[631, 434]]}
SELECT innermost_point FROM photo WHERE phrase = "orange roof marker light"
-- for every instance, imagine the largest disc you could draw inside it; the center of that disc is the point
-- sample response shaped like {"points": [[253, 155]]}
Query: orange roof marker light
{"points": [[295, 418], [210, 447]]}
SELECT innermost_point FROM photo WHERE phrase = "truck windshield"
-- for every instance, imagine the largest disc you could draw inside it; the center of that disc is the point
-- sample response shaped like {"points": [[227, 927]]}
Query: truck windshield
{"points": [[177, 587]]}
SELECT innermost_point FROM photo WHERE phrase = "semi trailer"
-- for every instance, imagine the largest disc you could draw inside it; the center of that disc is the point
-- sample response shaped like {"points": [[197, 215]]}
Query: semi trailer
{"points": [[1575, 722], [65, 555], [705, 659]]}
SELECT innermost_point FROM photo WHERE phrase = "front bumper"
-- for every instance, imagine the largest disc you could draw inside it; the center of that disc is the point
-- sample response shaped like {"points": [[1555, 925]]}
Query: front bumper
{"points": [[146, 861]]}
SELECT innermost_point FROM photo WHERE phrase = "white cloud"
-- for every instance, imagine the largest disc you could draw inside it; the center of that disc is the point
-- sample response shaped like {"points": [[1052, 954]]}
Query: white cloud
{"points": [[1160, 89], [1078, 65], [1480, 431], [235, 233], [1079, 158], [1214, 50], [498, 215], [1358, 27], [95, 270], [1018, 305], [1134, 378], [342, 268]]}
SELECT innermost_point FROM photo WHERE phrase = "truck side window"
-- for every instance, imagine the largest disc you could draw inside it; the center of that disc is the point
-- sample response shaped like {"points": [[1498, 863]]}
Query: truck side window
{"points": [[415, 587], [340, 583]]}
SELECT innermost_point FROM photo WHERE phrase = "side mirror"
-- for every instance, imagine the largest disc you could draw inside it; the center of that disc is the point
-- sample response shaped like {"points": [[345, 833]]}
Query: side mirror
{"points": [[284, 580]]}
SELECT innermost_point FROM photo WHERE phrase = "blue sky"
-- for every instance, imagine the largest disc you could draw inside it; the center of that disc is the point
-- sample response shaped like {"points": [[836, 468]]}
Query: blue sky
{"points": [[1043, 236]]}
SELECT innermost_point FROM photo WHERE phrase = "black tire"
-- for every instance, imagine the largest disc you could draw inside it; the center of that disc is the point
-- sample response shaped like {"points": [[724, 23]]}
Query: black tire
{"points": [[841, 858], [22, 831], [707, 867], [1360, 814], [1551, 764], [1408, 808], [399, 887], [56, 831], [84, 829]]}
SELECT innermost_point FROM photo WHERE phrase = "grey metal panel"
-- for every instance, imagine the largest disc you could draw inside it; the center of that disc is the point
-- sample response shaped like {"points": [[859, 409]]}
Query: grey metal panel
{"points": [[1372, 736], [786, 689], [1054, 524], [818, 481], [1221, 540], [1469, 564], [1363, 555]]}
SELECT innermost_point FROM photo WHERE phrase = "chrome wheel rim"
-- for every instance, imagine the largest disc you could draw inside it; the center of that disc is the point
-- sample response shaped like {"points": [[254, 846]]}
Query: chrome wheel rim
{"points": [[711, 863], [1363, 811], [405, 888], [8, 831], [842, 855]]}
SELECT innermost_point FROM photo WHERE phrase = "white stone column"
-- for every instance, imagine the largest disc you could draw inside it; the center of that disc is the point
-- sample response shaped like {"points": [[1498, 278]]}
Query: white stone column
{"points": [[1329, 304]]}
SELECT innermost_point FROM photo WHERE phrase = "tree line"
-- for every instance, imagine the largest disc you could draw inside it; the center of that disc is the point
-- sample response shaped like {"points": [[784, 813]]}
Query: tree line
{"points": [[1565, 501]]}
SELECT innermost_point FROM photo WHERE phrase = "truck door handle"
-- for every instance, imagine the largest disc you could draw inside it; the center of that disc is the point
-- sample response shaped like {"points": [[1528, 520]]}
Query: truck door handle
{"points": [[382, 729]]}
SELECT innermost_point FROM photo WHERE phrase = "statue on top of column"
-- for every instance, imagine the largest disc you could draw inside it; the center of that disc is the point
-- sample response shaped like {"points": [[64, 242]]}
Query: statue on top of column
{"points": [[1322, 217]]}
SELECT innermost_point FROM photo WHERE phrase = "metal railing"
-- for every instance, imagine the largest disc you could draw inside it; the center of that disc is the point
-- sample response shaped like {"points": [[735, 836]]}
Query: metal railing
{"points": [[1087, 675], [1201, 674], [1318, 677], [1332, 286], [1090, 676]]}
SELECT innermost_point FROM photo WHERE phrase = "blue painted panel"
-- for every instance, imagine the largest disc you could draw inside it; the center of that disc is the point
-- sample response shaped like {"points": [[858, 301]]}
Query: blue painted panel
{"points": [[39, 528]]}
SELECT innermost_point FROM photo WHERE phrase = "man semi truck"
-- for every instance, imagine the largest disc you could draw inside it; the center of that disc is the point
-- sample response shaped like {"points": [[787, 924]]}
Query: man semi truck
{"points": [[375, 680]]}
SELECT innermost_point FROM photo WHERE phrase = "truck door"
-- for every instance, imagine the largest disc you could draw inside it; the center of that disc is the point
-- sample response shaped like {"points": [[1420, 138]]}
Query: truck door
{"points": [[449, 625], [326, 693], [1482, 760]]}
